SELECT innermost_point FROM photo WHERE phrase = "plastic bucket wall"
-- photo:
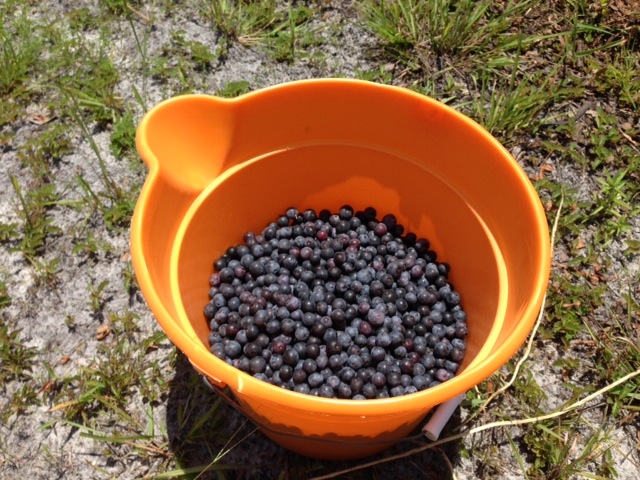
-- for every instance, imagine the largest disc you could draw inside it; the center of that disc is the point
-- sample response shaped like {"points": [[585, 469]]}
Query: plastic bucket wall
{"points": [[220, 168]]}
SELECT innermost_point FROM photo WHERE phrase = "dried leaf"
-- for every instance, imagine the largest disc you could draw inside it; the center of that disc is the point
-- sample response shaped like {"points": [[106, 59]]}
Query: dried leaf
{"points": [[628, 137], [62, 405], [41, 118], [47, 387], [543, 170], [575, 304], [103, 331]]}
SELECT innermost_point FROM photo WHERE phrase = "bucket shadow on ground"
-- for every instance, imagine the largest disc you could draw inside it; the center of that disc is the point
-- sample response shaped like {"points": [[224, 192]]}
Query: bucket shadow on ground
{"points": [[201, 426]]}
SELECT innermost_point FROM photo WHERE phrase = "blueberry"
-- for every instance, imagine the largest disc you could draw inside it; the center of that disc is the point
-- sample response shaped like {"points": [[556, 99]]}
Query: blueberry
{"points": [[418, 369], [397, 391], [393, 379], [326, 391], [428, 361], [333, 381], [439, 330], [442, 349], [322, 361], [400, 352], [309, 365], [369, 213], [380, 229], [315, 380], [356, 385], [302, 388], [378, 353], [257, 365], [340, 296], [379, 379], [376, 317], [252, 349], [461, 330], [291, 357], [299, 376], [344, 391], [302, 333], [443, 375], [347, 374], [451, 366], [355, 362], [232, 349], [312, 351], [276, 362], [336, 362], [286, 373], [369, 391], [218, 350]]}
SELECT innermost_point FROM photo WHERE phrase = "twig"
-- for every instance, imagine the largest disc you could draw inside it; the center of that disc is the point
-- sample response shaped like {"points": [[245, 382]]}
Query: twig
{"points": [[584, 108], [139, 13], [447, 461], [529, 345]]}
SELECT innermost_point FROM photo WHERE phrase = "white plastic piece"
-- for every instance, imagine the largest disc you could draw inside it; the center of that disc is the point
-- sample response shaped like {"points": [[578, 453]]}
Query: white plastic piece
{"points": [[441, 416]]}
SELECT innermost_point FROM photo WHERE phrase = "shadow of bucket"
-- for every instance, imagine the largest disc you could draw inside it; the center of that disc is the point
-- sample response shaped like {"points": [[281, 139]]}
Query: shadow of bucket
{"points": [[218, 168]]}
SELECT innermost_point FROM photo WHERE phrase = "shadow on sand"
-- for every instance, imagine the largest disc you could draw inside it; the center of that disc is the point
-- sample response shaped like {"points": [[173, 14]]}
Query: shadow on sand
{"points": [[202, 426]]}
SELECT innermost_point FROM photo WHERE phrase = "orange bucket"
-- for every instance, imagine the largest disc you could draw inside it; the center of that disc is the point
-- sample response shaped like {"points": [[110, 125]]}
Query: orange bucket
{"points": [[220, 167]]}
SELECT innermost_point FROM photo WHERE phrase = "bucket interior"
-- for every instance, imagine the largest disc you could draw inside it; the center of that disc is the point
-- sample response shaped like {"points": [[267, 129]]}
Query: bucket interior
{"points": [[329, 176]]}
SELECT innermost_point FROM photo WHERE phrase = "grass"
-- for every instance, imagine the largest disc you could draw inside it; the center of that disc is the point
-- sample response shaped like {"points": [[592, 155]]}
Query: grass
{"points": [[556, 82]]}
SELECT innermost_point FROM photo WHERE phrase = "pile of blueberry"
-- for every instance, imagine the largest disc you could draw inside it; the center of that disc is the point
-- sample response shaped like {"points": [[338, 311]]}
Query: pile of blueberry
{"points": [[337, 305]]}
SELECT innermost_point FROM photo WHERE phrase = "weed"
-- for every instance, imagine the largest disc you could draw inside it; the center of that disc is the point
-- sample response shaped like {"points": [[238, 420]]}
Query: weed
{"points": [[15, 358], [378, 75], [116, 210], [25, 397], [19, 52], [82, 20], [417, 29], [129, 280], [8, 232], [90, 245], [569, 303], [245, 21], [123, 136], [96, 295], [291, 35], [187, 61], [5, 298], [83, 71], [554, 454], [526, 391], [104, 386], [36, 224], [516, 105], [234, 89], [39, 154], [10, 111], [618, 346], [119, 7], [613, 206], [621, 77], [196, 54]]}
